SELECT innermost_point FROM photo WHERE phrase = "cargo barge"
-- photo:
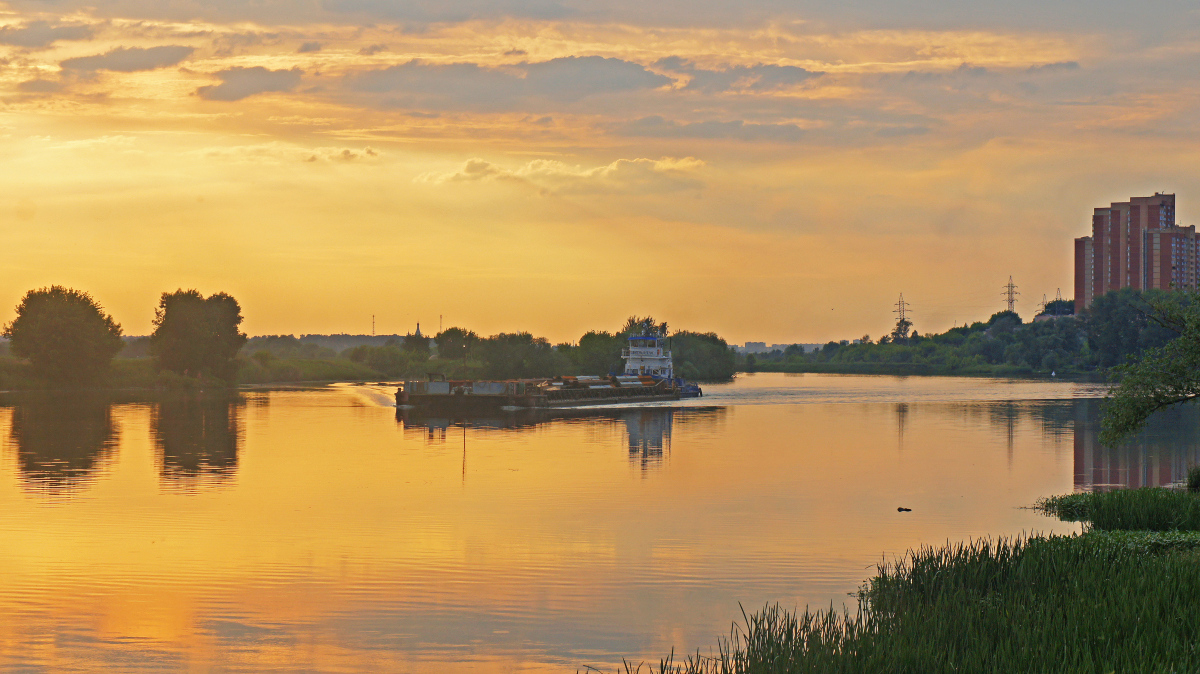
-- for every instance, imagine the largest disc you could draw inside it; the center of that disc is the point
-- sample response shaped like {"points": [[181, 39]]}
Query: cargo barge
{"points": [[648, 377]]}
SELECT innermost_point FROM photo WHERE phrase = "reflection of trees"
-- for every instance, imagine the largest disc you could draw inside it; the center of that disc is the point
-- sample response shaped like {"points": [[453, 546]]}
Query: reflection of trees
{"points": [[62, 441], [199, 438]]}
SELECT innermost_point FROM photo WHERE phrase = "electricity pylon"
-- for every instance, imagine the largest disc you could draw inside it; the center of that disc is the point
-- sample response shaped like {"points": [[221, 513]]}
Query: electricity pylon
{"points": [[1010, 293]]}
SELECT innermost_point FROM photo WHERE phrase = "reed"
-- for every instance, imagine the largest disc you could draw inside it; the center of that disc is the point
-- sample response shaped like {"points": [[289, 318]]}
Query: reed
{"points": [[1149, 509], [1096, 602]]}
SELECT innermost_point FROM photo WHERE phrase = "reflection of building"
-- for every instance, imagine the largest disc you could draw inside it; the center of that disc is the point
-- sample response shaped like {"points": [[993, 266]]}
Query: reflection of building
{"points": [[199, 439], [649, 432], [1156, 457], [62, 441]]}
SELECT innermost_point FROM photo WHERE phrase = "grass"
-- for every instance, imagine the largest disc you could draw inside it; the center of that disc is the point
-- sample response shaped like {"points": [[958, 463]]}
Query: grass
{"points": [[1150, 509], [1124, 596], [1098, 602]]}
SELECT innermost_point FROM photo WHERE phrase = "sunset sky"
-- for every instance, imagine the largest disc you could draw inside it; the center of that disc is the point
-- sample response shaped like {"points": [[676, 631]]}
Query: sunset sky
{"points": [[768, 170]]}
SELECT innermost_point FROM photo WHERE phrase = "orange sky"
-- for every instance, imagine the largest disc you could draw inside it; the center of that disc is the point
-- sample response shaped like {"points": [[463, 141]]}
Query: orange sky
{"points": [[778, 174]]}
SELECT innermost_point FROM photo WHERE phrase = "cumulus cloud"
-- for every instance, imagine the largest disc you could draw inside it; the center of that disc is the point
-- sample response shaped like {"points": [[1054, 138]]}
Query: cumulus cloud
{"points": [[308, 47], [238, 83], [635, 176], [282, 153], [756, 78], [130, 59], [562, 80], [655, 126], [42, 34]]}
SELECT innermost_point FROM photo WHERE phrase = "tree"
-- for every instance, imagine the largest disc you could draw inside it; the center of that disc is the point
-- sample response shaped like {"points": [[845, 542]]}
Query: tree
{"points": [[455, 343], [194, 335], [1164, 376], [65, 334], [635, 326], [417, 345]]}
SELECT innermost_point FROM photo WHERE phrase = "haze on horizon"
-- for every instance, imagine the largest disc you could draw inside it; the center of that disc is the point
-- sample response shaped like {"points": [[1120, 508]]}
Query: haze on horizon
{"points": [[771, 171]]}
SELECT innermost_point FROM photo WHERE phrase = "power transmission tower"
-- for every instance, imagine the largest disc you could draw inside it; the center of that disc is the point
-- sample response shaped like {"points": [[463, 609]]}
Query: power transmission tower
{"points": [[902, 322], [1042, 306], [901, 309], [1058, 302], [1010, 293], [372, 325]]}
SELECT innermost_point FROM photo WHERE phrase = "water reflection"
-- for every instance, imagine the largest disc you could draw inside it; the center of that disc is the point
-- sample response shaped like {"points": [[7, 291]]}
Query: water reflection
{"points": [[1156, 457], [647, 430], [198, 438], [62, 441]]}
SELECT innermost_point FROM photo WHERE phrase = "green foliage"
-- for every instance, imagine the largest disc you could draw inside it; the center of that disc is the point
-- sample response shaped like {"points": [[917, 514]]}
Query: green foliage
{"points": [[1165, 375], [1120, 323], [520, 355], [287, 346], [1193, 479], [391, 361], [1147, 509], [254, 371], [1099, 602], [194, 335], [598, 353], [456, 343], [1060, 308], [643, 325], [702, 356], [65, 334], [417, 345]]}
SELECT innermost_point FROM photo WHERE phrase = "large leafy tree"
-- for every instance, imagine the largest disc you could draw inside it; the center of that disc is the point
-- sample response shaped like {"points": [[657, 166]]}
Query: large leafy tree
{"points": [[1164, 376], [65, 334], [456, 343], [195, 335]]}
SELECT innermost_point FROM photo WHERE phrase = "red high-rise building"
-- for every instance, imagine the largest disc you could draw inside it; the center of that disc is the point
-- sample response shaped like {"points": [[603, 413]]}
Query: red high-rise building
{"points": [[1134, 244]]}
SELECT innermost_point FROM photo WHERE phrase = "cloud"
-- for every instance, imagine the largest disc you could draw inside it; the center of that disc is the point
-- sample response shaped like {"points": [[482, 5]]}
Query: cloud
{"points": [[441, 11], [42, 34], [238, 83], [371, 50], [756, 78], [309, 47], [39, 87], [1054, 67], [631, 176], [130, 59], [655, 126], [456, 85]]}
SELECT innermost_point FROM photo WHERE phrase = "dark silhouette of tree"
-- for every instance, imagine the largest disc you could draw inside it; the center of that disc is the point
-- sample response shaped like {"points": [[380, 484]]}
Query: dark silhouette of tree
{"points": [[199, 438], [62, 441], [599, 353], [416, 344], [65, 334], [456, 343], [636, 326], [194, 335]]}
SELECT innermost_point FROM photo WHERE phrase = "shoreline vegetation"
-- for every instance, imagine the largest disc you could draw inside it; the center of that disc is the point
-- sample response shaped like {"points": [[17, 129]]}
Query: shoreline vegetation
{"points": [[1117, 326], [62, 339], [1120, 596]]}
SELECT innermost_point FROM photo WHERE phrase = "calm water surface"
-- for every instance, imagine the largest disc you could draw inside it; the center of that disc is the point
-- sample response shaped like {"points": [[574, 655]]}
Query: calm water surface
{"points": [[321, 530]]}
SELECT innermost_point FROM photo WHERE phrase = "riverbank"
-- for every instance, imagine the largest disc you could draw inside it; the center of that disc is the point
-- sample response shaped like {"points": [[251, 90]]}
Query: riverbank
{"points": [[921, 369], [1118, 597], [140, 374]]}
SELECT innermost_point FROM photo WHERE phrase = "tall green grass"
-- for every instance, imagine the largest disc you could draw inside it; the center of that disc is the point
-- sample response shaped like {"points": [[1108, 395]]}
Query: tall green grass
{"points": [[1148, 509], [1099, 602]]}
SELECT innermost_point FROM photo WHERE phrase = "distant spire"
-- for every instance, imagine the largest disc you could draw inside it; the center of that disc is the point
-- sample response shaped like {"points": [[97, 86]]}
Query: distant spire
{"points": [[418, 328]]}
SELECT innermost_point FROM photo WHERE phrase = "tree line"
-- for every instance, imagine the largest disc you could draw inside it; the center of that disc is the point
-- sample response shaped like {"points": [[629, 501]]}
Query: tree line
{"points": [[1118, 325], [68, 340]]}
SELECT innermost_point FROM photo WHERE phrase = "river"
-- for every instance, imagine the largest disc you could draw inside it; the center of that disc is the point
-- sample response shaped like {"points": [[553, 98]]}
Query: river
{"points": [[318, 529]]}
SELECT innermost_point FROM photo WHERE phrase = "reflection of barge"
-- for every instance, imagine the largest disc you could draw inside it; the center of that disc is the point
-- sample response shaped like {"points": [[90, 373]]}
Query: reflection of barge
{"points": [[648, 377]]}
